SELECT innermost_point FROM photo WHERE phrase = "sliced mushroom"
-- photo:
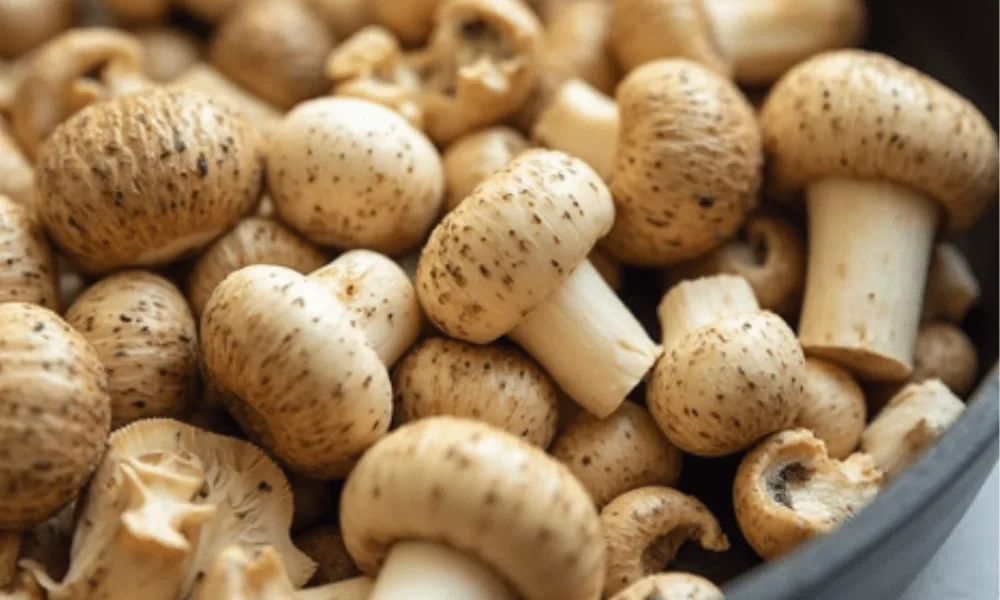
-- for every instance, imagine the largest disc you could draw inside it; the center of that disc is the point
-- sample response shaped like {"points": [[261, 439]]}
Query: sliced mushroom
{"points": [[325, 545], [202, 77], [26, 24], [29, 271], [17, 176], [952, 287], [670, 586], [167, 52], [644, 529], [474, 157], [832, 407]]}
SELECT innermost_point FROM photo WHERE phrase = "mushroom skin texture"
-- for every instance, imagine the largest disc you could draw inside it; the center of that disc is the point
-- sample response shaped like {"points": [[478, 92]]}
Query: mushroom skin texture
{"points": [[411, 22], [276, 49], [29, 273], [472, 158], [202, 77], [833, 407], [26, 24], [862, 134], [17, 175], [141, 327], [325, 545], [487, 514], [619, 453], [494, 384], [167, 52], [643, 31], [671, 586], [51, 373], [952, 288], [644, 528], [268, 336], [910, 424], [343, 17], [511, 260], [788, 490], [350, 173], [730, 374], [144, 179]]}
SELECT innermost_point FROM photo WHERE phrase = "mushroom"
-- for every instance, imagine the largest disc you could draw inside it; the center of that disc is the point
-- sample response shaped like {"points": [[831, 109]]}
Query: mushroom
{"points": [[788, 490], [474, 157], [143, 179], [832, 407], [325, 545], [53, 390], [213, 11], [297, 376], [145, 335], [609, 268], [380, 297], [769, 253], [580, 120], [909, 424], [730, 374], [494, 384], [952, 287], [17, 176], [412, 22], [479, 66], [26, 24], [670, 586], [511, 259], [29, 271], [890, 163], [10, 546], [274, 48], [488, 516], [314, 499], [138, 10], [343, 17], [254, 241], [644, 528], [167, 52], [202, 77], [619, 453], [350, 173]]}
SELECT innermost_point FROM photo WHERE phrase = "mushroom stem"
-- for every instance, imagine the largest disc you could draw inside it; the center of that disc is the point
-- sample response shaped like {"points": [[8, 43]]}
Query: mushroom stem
{"points": [[420, 570], [588, 341], [583, 122], [691, 305], [869, 249], [10, 545]]}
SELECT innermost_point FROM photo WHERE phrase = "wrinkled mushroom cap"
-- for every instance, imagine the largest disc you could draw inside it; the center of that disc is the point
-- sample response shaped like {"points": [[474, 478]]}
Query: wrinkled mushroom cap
{"points": [[25, 24], [29, 271], [646, 30], [325, 545], [832, 407], [862, 115], [167, 52], [473, 158], [480, 491], [670, 586]]}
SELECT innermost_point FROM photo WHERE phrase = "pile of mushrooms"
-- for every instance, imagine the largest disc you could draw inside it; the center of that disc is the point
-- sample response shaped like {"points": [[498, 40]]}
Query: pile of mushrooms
{"points": [[320, 299]]}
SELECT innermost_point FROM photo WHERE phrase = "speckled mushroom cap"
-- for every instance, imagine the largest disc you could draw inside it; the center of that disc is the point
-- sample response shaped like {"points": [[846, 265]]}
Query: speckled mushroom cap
{"points": [[495, 384], [671, 586], [788, 490], [473, 158], [507, 247], [863, 115], [619, 453], [53, 390], [143, 179], [325, 545], [646, 30], [300, 379], [27, 270], [254, 241], [24, 24], [350, 173], [142, 329], [833, 407], [167, 52], [644, 528], [688, 165], [483, 492]]}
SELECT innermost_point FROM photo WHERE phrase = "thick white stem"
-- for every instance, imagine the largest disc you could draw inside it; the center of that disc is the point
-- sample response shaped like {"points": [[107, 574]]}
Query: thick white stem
{"points": [[691, 305], [869, 249], [588, 341], [583, 122], [424, 570]]}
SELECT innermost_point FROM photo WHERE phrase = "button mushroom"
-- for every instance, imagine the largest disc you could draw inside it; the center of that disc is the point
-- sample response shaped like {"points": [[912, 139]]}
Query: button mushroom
{"points": [[832, 407], [28, 271], [511, 260], [730, 374], [643, 31], [788, 490], [473, 158], [344, 17], [582, 121], [167, 52], [143, 179], [325, 545], [493, 384], [202, 77], [25, 24], [952, 288], [487, 516], [670, 586], [891, 156], [17, 176], [411, 21], [644, 529], [350, 173]]}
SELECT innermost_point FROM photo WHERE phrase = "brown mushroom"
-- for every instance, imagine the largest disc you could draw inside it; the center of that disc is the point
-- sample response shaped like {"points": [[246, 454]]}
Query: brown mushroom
{"points": [[644, 529], [472, 158], [670, 586], [202, 77], [788, 490], [28, 273], [167, 52], [344, 17], [325, 545], [26, 24], [952, 288], [832, 407], [17, 176], [890, 156]]}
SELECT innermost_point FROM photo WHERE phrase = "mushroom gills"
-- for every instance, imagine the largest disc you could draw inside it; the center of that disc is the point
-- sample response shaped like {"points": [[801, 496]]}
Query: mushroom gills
{"points": [[662, 551], [816, 494], [421, 570]]}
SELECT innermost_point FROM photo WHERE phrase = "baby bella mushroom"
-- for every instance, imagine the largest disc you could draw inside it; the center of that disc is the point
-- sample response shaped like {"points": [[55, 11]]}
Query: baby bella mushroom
{"points": [[644, 528], [141, 327], [488, 517], [511, 260], [730, 373], [473, 158], [325, 545], [26, 24], [832, 407], [890, 156], [145, 178], [670, 586], [494, 384], [789, 490], [27, 270], [952, 287]]}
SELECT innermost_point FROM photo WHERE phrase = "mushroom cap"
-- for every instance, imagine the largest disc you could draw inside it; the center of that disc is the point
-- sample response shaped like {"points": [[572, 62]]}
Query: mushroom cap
{"points": [[473, 158], [944, 352], [483, 492], [952, 287], [55, 392], [167, 52], [299, 378], [724, 386], [276, 49], [202, 77], [688, 165], [239, 573], [142, 329], [644, 529], [211, 10], [670, 586], [646, 30], [410, 21], [138, 10], [507, 247], [325, 545], [25, 24], [254, 241], [495, 384], [622, 452], [350, 173], [17, 175], [832, 407], [29, 271], [343, 17], [862, 115], [788, 490], [145, 178]]}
